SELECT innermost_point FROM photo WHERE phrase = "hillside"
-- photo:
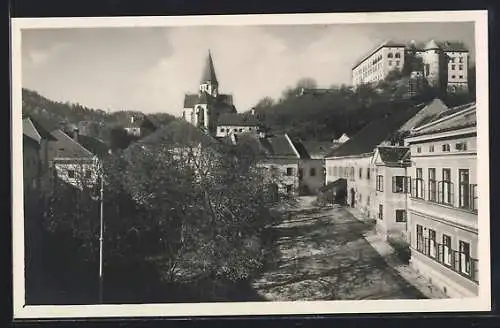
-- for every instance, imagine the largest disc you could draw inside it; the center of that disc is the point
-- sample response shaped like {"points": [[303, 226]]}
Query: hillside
{"points": [[98, 123], [327, 114]]}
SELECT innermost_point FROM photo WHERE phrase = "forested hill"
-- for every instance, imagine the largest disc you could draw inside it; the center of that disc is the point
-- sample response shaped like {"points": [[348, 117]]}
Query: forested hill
{"points": [[99, 123], [324, 114]]}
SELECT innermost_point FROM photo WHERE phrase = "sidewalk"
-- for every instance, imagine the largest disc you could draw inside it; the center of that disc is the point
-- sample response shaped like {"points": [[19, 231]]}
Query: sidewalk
{"points": [[389, 255]]}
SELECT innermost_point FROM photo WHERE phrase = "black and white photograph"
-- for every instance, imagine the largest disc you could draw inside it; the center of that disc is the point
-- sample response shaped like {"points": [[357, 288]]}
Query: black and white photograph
{"points": [[250, 164]]}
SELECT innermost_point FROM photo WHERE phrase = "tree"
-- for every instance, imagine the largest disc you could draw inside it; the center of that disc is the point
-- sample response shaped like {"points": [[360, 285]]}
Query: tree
{"points": [[306, 83]]}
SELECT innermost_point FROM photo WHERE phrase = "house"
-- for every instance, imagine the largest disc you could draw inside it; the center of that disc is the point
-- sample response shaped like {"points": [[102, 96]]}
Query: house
{"points": [[443, 207], [237, 123], [139, 126], [36, 163], [71, 162], [312, 165], [445, 64], [203, 109], [374, 163]]}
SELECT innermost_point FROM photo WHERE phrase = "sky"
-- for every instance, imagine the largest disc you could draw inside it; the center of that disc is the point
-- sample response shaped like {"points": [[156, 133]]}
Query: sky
{"points": [[151, 68]]}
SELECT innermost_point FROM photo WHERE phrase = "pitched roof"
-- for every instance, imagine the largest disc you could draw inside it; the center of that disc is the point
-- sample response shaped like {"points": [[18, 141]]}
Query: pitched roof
{"points": [[431, 110], [431, 45], [35, 130], [191, 99], [392, 154], [178, 132], [374, 133], [67, 147], [388, 43], [94, 145], [279, 146], [453, 119], [237, 119], [209, 70], [299, 146], [317, 148]]}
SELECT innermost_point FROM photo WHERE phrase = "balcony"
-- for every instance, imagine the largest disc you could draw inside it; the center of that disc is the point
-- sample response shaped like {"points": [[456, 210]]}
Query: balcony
{"points": [[459, 262]]}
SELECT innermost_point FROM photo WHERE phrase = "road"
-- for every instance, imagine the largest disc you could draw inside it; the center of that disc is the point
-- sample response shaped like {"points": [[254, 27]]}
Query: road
{"points": [[323, 256]]}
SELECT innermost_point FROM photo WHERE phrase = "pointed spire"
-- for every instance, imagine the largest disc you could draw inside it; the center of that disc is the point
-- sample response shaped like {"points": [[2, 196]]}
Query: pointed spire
{"points": [[209, 71]]}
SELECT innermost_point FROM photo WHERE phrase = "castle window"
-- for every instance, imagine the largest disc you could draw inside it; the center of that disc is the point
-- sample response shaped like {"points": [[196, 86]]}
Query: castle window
{"points": [[445, 147], [453, 76], [461, 76], [460, 67], [241, 130], [452, 66], [389, 55], [460, 60], [398, 55]]}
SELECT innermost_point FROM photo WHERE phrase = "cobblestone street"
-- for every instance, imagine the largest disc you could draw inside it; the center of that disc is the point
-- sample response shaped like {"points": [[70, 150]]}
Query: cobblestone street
{"points": [[324, 256]]}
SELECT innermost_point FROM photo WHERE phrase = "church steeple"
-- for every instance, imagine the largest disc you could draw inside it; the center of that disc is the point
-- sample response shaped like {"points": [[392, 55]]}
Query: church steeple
{"points": [[209, 71], [209, 83]]}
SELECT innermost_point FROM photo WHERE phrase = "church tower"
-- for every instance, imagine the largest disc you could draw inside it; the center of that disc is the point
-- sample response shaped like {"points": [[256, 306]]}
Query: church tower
{"points": [[209, 83]]}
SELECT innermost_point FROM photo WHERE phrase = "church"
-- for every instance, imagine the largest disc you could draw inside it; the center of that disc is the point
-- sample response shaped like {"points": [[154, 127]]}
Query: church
{"points": [[204, 108]]}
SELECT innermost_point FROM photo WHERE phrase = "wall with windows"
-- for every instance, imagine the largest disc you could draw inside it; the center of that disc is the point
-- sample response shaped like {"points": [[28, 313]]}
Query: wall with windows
{"points": [[376, 66], [286, 172], [458, 65], [224, 130], [77, 173], [391, 190], [359, 173], [442, 212], [311, 174]]}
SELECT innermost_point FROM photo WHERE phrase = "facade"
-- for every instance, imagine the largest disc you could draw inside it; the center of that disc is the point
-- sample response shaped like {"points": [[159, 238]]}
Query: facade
{"points": [[442, 211], [139, 126], [204, 108], [234, 124], [445, 64], [375, 166]]}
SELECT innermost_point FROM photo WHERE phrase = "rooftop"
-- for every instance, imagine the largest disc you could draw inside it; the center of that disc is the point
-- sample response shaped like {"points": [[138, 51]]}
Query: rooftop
{"points": [[238, 119]]}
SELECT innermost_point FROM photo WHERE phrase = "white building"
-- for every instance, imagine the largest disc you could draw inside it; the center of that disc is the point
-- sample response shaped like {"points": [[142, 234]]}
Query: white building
{"points": [[442, 211]]}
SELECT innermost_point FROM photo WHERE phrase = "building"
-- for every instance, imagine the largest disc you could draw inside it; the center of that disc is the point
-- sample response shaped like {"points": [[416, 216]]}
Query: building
{"points": [[444, 64], [71, 162], [203, 109], [139, 126], [236, 123], [312, 165], [374, 164], [442, 211]]}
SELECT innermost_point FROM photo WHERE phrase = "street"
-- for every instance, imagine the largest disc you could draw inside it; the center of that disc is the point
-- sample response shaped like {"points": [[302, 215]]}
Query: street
{"points": [[323, 256]]}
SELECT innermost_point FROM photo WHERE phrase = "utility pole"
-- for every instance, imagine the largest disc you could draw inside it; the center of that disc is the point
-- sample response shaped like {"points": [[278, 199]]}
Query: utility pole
{"points": [[101, 212]]}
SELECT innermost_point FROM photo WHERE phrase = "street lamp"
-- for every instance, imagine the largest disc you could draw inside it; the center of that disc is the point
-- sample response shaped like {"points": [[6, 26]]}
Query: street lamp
{"points": [[100, 197]]}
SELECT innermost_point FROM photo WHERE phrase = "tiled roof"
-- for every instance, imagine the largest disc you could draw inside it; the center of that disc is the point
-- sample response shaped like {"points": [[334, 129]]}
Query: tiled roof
{"points": [[392, 154], [237, 119], [374, 133], [455, 118], [317, 148], [67, 147], [431, 110], [279, 146], [178, 132], [35, 130], [389, 43], [299, 146], [94, 145], [191, 99]]}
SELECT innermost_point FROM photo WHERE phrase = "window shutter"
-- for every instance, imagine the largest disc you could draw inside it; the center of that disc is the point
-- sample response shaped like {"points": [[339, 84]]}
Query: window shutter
{"points": [[393, 184], [440, 191], [452, 190]]}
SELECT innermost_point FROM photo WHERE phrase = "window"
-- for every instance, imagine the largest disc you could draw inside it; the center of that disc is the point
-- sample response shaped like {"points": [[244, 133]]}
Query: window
{"points": [[351, 173], [71, 174], [398, 55], [419, 184], [453, 76], [390, 62], [222, 129], [312, 172], [289, 171], [389, 55], [360, 173], [464, 263], [431, 148], [381, 212], [445, 147], [380, 183], [446, 250], [445, 188], [464, 188], [461, 76], [335, 170], [400, 215], [419, 149], [460, 60], [88, 174], [420, 238], [453, 66], [368, 201], [235, 130], [432, 243], [289, 189], [368, 173], [432, 184], [460, 67], [399, 184], [461, 146]]}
